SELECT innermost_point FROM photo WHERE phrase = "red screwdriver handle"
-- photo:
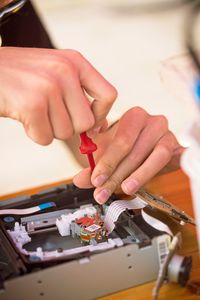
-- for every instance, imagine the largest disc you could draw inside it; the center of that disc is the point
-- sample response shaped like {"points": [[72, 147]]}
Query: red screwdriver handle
{"points": [[88, 147]]}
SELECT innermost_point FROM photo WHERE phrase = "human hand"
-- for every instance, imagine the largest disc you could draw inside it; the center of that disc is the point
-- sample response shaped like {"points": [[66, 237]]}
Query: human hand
{"points": [[130, 153], [45, 90]]}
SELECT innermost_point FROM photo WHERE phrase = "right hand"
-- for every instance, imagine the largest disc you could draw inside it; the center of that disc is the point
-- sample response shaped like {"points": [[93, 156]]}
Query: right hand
{"points": [[45, 90], [130, 153]]}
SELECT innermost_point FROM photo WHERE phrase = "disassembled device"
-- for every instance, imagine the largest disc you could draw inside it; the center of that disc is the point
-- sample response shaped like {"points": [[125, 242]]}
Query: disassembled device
{"points": [[69, 246]]}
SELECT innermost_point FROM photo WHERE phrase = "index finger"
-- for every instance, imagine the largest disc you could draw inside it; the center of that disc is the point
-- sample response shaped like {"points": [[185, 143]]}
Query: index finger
{"points": [[129, 128], [96, 86]]}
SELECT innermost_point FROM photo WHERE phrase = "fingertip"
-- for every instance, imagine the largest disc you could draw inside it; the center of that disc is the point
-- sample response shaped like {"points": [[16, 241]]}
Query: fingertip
{"points": [[101, 196], [99, 180], [84, 122], [130, 186], [83, 179], [41, 139]]}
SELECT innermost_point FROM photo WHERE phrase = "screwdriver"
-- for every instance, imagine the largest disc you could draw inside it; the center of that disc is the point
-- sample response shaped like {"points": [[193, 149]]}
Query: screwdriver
{"points": [[87, 147]]}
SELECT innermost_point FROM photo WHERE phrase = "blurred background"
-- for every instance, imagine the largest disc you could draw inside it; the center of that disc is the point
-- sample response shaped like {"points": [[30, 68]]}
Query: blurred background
{"points": [[127, 47]]}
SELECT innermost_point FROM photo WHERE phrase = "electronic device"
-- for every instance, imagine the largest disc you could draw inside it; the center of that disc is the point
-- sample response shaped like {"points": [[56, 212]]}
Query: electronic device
{"points": [[54, 245]]}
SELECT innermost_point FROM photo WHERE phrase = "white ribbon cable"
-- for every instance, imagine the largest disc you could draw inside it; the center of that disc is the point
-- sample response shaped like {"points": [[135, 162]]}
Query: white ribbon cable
{"points": [[155, 223], [26, 211], [117, 207]]}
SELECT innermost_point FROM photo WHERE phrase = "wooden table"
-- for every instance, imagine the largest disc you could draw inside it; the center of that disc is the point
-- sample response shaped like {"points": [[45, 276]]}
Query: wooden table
{"points": [[175, 188]]}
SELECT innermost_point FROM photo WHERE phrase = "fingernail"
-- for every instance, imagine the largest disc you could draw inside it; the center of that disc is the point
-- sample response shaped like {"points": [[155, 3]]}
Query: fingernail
{"points": [[99, 180], [96, 130], [130, 186], [93, 132], [102, 196]]}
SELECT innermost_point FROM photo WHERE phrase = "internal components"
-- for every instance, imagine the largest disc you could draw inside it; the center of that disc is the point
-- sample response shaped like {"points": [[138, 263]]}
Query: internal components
{"points": [[174, 268], [117, 207], [86, 222], [90, 229], [80, 230], [165, 206], [73, 240], [19, 235], [179, 269]]}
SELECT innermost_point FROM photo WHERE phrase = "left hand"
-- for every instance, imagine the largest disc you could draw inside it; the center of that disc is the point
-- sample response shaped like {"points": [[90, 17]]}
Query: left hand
{"points": [[130, 153]]}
